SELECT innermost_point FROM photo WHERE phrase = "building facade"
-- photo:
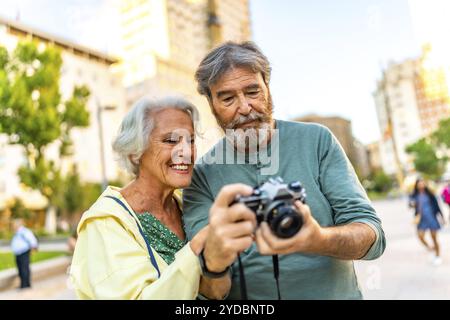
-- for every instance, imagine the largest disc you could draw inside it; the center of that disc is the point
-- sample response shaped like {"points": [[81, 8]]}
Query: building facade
{"points": [[411, 98], [373, 154], [163, 41], [342, 129], [81, 66]]}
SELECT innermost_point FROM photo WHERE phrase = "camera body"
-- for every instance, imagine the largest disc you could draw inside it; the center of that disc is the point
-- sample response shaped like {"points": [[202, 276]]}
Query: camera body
{"points": [[273, 202]]}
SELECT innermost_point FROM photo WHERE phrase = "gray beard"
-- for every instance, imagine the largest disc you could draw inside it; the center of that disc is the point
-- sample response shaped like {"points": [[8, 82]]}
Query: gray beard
{"points": [[249, 140]]}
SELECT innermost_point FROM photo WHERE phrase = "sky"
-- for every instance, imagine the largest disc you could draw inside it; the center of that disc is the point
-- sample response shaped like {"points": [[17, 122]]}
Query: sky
{"points": [[326, 55]]}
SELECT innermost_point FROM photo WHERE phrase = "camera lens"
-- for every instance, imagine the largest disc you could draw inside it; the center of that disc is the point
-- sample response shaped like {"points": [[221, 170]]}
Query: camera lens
{"points": [[284, 221]]}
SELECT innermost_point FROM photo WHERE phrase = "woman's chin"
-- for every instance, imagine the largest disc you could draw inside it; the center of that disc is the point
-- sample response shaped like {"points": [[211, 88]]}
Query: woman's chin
{"points": [[180, 181]]}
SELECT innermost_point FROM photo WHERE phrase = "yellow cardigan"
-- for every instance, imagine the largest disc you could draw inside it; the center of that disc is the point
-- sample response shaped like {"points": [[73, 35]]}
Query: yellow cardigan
{"points": [[111, 259]]}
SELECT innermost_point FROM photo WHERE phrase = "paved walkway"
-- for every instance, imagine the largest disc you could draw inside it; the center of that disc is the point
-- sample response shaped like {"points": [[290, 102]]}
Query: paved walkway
{"points": [[403, 272], [55, 288]]}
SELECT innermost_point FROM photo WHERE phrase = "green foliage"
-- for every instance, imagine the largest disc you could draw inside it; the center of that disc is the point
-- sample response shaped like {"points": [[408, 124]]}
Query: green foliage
{"points": [[378, 182], [73, 193], [30, 95], [33, 114], [18, 210], [426, 160], [442, 134], [7, 258], [77, 196], [75, 115], [45, 176]]}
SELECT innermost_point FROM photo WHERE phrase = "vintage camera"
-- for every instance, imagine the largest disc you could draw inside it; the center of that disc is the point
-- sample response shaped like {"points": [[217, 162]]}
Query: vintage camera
{"points": [[273, 202]]}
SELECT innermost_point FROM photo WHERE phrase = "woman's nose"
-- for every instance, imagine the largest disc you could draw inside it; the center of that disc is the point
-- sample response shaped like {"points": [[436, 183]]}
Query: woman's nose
{"points": [[185, 151]]}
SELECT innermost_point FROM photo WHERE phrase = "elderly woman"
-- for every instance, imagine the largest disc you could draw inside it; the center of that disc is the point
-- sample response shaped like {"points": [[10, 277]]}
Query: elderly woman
{"points": [[131, 242]]}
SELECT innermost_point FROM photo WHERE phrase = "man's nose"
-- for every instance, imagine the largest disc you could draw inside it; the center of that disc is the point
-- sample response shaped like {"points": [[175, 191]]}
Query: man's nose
{"points": [[244, 106]]}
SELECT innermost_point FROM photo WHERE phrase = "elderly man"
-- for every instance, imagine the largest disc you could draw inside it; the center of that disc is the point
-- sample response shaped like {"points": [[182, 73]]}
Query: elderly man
{"points": [[339, 223], [22, 244]]}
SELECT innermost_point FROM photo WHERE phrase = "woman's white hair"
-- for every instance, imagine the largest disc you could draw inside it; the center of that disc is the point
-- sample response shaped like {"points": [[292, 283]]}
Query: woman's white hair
{"points": [[137, 125]]}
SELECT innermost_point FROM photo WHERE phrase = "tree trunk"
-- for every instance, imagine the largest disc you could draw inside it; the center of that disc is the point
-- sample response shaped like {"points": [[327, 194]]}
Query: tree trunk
{"points": [[50, 220]]}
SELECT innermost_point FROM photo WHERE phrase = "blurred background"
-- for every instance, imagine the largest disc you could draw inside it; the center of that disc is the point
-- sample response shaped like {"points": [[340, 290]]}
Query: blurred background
{"points": [[377, 73]]}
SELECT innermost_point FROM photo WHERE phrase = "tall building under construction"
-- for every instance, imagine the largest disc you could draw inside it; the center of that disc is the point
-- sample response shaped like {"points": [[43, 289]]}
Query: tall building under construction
{"points": [[163, 41]]}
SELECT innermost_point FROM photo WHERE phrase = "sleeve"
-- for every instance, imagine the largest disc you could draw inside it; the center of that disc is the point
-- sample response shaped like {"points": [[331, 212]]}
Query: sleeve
{"points": [[118, 267], [437, 207], [197, 200], [31, 239], [346, 196]]}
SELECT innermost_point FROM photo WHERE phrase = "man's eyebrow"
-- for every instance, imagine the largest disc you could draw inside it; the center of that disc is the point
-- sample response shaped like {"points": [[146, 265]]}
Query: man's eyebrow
{"points": [[252, 86], [222, 93], [225, 92]]}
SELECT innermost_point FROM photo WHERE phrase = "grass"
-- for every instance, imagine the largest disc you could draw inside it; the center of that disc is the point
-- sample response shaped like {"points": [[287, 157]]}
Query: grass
{"points": [[7, 259], [377, 195], [394, 193]]}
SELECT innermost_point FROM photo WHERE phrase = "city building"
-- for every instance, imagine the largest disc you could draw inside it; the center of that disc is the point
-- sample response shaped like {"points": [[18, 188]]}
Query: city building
{"points": [[373, 154], [163, 41], [81, 66], [411, 98], [342, 129], [361, 159]]}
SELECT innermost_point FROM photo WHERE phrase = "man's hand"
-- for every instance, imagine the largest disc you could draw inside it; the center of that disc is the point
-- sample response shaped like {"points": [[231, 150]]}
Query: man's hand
{"points": [[198, 241], [230, 228], [348, 242], [307, 240]]}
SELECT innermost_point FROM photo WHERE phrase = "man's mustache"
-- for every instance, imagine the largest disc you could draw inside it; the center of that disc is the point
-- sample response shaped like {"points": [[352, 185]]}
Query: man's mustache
{"points": [[252, 116]]}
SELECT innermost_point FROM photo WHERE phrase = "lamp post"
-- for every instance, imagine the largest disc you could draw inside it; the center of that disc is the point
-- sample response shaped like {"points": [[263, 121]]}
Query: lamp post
{"points": [[101, 108]]}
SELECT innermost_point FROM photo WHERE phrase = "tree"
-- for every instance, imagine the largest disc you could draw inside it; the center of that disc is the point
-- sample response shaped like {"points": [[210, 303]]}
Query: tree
{"points": [[33, 115], [425, 159], [18, 210], [442, 134], [379, 182], [77, 196]]}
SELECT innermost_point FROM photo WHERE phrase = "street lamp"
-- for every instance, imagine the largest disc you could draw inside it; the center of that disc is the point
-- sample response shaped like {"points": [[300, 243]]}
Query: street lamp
{"points": [[101, 108]]}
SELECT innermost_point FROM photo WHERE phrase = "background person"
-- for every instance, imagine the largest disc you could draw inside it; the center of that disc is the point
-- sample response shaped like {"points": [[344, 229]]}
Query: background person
{"points": [[427, 214], [22, 245]]}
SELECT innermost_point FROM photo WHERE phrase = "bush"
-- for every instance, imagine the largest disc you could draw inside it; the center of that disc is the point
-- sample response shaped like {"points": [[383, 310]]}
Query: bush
{"points": [[18, 210], [378, 182]]}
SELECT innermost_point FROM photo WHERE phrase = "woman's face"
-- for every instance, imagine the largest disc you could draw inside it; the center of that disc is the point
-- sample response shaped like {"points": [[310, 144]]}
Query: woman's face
{"points": [[421, 185], [170, 156]]}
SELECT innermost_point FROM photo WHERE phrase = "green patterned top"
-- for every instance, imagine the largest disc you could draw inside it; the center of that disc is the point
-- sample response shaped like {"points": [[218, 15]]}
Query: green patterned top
{"points": [[161, 238]]}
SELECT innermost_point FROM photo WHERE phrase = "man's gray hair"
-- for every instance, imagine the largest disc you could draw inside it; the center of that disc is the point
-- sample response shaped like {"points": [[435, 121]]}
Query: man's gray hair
{"points": [[137, 125], [226, 57]]}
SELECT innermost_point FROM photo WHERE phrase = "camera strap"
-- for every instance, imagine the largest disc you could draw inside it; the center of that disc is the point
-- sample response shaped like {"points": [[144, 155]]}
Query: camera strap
{"points": [[276, 273], [242, 280], [243, 285]]}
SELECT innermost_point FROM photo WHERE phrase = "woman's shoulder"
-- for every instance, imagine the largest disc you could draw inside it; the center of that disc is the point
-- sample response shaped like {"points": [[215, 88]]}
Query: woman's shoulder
{"points": [[109, 204]]}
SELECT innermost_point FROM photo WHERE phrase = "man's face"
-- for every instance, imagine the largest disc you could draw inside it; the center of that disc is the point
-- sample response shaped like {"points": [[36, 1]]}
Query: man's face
{"points": [[241, 100], [17, 223]]}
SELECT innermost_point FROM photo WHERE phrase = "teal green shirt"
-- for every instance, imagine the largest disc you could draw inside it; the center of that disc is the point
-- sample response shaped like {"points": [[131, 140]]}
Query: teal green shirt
{"points": [[310, 154]]}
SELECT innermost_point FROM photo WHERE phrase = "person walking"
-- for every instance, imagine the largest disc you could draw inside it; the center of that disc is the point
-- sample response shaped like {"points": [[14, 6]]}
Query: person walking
{"points": [[427, 215]]}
